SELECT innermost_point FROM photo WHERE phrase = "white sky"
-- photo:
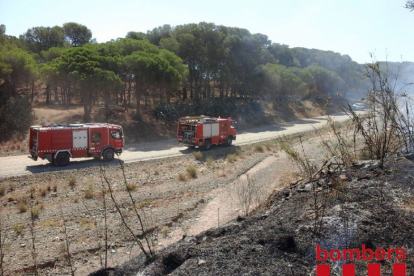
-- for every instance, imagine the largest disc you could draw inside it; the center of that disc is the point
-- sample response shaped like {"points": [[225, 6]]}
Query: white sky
{"points": [[352, 27]]}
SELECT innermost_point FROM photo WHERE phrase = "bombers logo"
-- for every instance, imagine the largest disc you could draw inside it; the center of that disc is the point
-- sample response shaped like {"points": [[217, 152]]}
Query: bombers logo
{"points": [[365, 254]]}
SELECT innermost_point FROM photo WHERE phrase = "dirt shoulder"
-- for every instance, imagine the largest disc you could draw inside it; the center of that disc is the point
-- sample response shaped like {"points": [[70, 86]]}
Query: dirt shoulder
{"points": [[74, 216], [76, 219], [361, 208]]}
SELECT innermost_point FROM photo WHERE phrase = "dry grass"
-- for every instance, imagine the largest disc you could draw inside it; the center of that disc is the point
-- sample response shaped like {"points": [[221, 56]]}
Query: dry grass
{"points": [[143, 204], [182, 177], [239, 153], [363, 154], [131, 187], [54, 187], [258, 148], [221, 173], [231, 157], [269, 145], [52, 223], [198, 155], [338, 186], [209, 161], [16, 145], [192, 171], [32, 191], [35, 211], [22, 206], [165, 230], [89, 191], [2, 190], [43, 192], [287, 178], [72, 180], [18, 228], [409, 202], [57, 114], [86, 222]]}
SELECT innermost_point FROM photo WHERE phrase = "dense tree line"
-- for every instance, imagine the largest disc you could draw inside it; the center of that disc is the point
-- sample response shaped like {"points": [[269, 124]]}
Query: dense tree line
{"points": [[187, 63]]}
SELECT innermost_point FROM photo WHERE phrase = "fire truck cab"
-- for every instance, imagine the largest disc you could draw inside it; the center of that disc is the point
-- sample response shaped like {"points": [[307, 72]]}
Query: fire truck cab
{"points": [[59, 143], [204, 131]]}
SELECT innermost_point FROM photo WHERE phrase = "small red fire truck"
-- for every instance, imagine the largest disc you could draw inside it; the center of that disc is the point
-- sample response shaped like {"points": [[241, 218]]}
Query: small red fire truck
{"points": [[204, 131], [58, 143]]}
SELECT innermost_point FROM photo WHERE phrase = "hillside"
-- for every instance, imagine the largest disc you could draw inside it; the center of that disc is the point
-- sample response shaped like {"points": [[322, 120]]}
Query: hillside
{"points": [[358, 207], [76, 225], [64, 222]]}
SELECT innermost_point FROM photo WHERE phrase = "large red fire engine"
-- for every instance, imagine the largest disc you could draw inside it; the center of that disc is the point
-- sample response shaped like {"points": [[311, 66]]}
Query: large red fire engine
{"points": [[58, 143], [204, 131]]}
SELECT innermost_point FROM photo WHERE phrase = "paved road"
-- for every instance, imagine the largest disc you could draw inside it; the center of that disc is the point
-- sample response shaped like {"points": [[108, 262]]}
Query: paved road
{"points": [[22, 165]]}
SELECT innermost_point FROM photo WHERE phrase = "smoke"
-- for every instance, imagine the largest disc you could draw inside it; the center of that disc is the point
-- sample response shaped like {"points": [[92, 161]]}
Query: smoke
{"points": [[400, 76], [405, 80]]}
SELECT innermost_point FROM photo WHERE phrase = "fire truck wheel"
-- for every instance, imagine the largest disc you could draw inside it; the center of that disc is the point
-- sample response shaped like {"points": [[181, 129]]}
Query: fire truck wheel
{"points": [[207, 145], [229, 140], [62, 160], [108, 155]]}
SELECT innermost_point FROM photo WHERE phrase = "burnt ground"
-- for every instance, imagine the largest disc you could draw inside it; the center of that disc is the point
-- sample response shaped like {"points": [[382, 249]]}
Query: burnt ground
{"points": [[343, 210]]}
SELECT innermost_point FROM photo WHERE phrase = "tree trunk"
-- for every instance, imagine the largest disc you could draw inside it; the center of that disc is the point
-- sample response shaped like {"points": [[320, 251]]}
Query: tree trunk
{"points": [[129, 92], [55, 89], [69, 97], [87, 108], [138, 98], [87, 113], [63, 95], [161, 95], [48, 96], [184, 93], [32, 90]]}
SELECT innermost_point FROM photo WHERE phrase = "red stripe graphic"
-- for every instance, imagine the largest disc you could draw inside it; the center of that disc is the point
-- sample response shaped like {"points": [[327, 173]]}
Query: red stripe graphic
{"points": [[323, 270], [399, 269], [374, 270], [348, 270]]}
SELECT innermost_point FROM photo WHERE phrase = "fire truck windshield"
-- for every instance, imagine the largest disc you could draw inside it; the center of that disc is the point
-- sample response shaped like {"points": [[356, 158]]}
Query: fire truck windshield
{"points": [[116, 134]]}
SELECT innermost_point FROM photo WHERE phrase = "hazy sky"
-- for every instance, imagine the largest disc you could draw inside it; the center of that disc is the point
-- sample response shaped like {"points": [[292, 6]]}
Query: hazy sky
{"points": [[352, 27]]}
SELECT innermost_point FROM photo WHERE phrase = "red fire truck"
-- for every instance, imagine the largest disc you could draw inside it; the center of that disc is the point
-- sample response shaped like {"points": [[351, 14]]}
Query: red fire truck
{"points": [[58, 143], [204, 131]]}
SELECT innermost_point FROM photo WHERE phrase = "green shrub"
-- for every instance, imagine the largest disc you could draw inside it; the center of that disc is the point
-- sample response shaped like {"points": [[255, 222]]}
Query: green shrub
{"points": [[89, 192], [35, 211], [258, 148], [165, 231], [16, 115], [144, 203], [192, 171], [18, 228]]}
